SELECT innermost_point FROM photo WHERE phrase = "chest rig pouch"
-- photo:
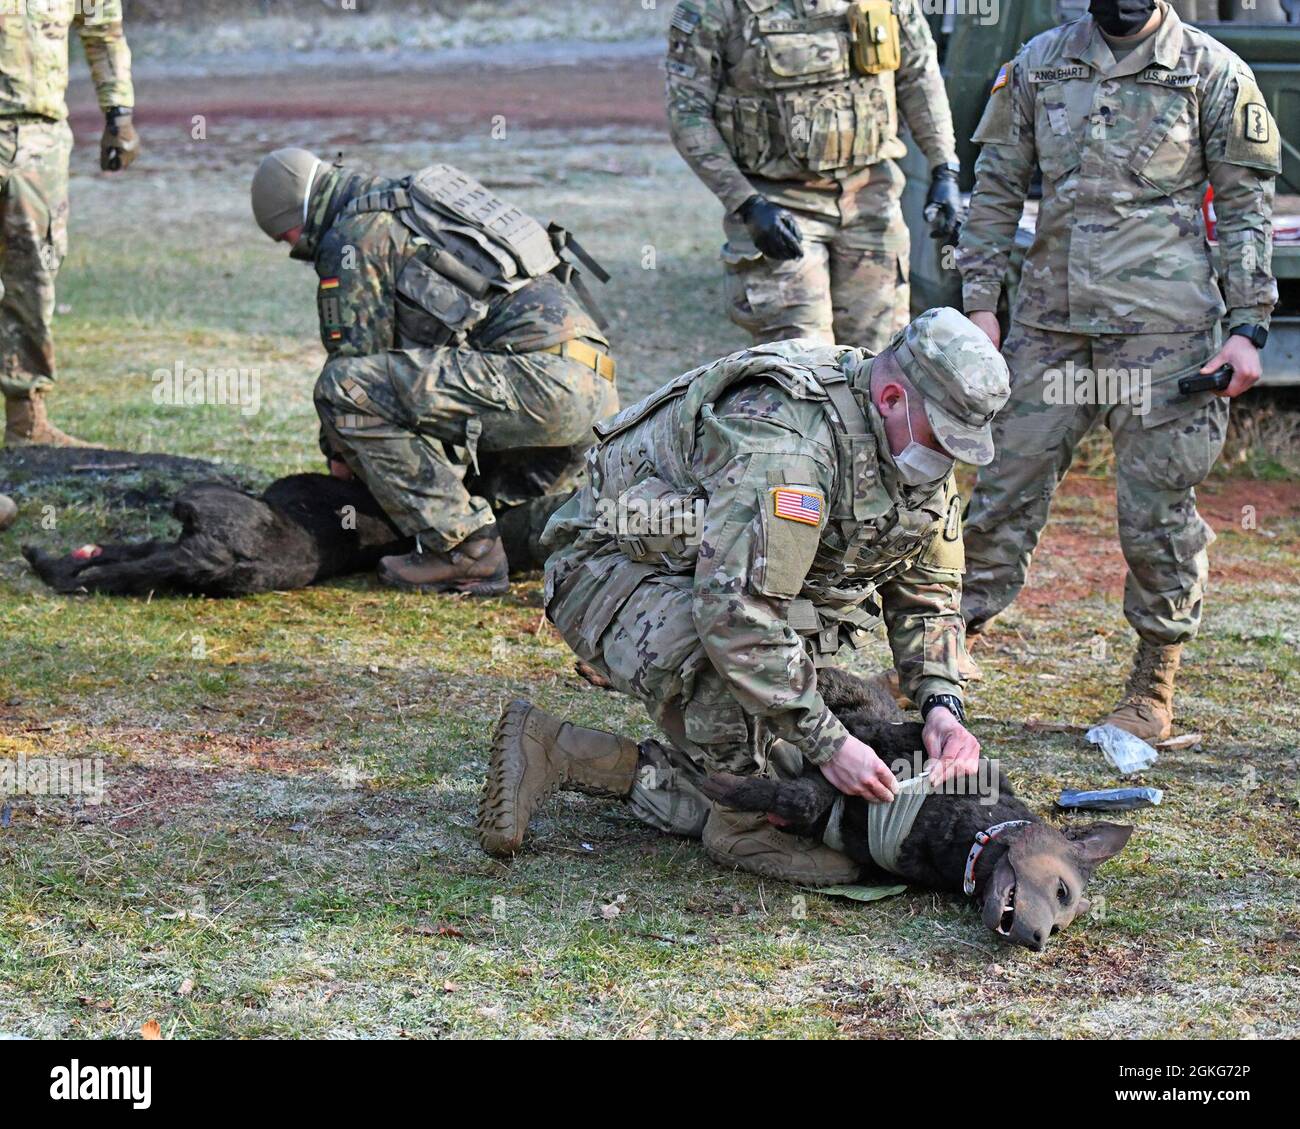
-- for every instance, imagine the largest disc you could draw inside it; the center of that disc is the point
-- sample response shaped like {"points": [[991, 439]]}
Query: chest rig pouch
{"points": [[874, 33], [815, 94]]}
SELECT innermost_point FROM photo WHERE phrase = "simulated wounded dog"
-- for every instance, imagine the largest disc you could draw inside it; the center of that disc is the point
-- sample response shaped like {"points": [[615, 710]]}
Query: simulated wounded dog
{"points": [[304, 529], [1026, 877], [973, 836]]}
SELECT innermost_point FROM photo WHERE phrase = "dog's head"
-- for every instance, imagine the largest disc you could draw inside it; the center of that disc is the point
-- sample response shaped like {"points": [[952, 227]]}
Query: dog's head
{"points": [[1036, 888]]}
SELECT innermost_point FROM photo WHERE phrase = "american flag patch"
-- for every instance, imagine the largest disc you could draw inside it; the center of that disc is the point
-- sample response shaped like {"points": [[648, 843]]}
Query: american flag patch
{"points": [[1004, 76], [797, 505], [329, 283], [685, 18]]}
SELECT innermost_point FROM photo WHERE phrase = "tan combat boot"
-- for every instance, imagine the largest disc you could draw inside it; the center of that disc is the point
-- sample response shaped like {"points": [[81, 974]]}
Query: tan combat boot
{"points": [[477, 566], [8, 512], [747, 841], [26, 425], [1147, 708], [534, 751]]}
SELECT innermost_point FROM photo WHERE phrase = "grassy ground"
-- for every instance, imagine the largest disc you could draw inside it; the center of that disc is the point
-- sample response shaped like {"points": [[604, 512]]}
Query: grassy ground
{"points": [[286, 846]]}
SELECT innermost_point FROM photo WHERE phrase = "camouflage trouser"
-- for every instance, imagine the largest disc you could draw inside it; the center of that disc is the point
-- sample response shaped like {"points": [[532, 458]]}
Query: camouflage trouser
{"points": [[442, 436], [33, 241], [849, 288], [647, 647], [1164, 445]]}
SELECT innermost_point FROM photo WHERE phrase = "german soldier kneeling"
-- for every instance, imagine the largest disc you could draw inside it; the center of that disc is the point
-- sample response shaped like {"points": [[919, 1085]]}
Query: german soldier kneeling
{"points": [[466, 368], [739, 526]]}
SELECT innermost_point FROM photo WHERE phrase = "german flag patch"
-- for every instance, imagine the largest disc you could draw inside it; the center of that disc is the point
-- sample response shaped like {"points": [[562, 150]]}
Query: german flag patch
{"points": [[329, 283], [794, 504]]}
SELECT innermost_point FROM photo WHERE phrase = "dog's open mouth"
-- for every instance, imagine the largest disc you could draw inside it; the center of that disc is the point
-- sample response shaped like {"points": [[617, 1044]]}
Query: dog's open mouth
{"points": [[1008, 912]]}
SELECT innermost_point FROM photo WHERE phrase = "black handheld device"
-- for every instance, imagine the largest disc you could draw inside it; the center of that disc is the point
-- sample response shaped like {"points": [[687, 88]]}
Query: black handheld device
{"points": [[1215, 381]]}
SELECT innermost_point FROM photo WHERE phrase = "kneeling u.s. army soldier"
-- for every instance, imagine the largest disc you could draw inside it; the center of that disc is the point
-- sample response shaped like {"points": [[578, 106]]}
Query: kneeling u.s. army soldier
{"points": [[1129, 113], [466, 366], [789, 111], [821, 482]]}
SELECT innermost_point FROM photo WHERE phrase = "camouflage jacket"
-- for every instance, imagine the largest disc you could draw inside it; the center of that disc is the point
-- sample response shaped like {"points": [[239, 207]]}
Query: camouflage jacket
{"points": [[34, 55], [378, 291], [767, 91], [1126, 150], [793, 534]]}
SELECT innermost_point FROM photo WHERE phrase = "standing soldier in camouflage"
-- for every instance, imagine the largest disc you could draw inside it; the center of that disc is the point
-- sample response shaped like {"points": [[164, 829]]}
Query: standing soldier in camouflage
{"points": [[789, 112], [739, 526], [465, 366], [1128, 112], [35, 144]]}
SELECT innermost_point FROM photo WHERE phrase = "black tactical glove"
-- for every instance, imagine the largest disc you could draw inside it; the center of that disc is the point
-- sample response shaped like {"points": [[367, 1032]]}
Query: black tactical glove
{"points": [[943, 205], [120, 144], [772, 229]]}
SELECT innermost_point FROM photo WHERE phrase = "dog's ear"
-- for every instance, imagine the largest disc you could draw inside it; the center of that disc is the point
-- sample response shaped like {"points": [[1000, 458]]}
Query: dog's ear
{"points": [[1094, 843]]}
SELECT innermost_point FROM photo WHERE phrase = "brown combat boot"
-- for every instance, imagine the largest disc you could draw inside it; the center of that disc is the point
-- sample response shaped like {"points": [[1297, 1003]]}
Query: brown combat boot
{"points": [[1147, 708], [534, 751], [747, 841], [26, 425], [477, 566]]}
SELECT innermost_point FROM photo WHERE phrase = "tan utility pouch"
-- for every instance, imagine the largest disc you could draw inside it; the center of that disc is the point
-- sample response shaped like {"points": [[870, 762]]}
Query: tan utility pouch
{"points": [[874, 32]]}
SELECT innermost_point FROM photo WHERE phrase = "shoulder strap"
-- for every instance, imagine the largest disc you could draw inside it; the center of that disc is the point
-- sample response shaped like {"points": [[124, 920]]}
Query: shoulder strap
{"points": [[836, 383], [393, 199]]}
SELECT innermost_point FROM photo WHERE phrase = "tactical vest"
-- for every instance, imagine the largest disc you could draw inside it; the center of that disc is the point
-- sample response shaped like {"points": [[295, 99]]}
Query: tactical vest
{"points": [[815, 86], [474, 248], [867, 538]]}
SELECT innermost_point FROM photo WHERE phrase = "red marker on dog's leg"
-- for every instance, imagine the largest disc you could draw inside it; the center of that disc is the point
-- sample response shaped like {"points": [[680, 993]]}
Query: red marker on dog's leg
{"points": [[86, 553]]}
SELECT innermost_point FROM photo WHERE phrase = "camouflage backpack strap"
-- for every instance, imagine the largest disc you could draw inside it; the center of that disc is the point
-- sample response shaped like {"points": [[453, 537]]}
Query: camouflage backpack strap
{"points": [[394, 198], [562, 241], [861, 496]]}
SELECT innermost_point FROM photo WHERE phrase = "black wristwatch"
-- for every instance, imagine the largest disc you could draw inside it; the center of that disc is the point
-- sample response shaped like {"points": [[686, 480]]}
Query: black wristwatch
{"points": [[1257, 335], [950, 702]]}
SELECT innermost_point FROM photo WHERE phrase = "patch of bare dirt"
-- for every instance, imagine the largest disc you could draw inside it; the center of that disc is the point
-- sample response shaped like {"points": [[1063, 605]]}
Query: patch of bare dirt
{"points": [[1074, 562]]}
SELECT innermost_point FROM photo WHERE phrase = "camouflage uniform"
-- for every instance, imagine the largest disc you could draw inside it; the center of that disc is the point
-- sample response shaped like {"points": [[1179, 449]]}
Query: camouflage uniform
{"points": [[35, 144], [714, 611], [763, 98], [447, 404], [1119, 281]]}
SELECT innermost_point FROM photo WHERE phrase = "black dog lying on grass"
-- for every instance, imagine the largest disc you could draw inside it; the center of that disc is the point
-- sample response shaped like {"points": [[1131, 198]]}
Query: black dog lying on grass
{"points": [[1028, 878], [303, 529]]}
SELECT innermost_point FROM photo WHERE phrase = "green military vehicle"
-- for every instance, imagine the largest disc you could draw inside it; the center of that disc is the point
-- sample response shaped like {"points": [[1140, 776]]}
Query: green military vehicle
{"points": [[976, 36]]}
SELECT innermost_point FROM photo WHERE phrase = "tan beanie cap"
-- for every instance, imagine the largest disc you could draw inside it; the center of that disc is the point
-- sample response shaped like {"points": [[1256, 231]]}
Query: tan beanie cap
{"points": [[280, 190]]}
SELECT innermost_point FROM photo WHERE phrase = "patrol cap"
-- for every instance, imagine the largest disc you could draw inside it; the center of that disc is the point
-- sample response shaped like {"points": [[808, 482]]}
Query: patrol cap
{"points": [[281, 188], [961, 376]]}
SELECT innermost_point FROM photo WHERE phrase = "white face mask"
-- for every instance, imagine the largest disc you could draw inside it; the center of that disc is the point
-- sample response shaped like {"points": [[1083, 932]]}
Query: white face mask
{"points": [[919, 465]]}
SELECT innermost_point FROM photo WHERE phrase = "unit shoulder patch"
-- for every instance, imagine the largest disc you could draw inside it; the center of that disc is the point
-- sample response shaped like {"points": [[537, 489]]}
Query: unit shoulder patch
{"points": [[1253, 140], [1062, 72], [947, 551], [794, 504]]}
